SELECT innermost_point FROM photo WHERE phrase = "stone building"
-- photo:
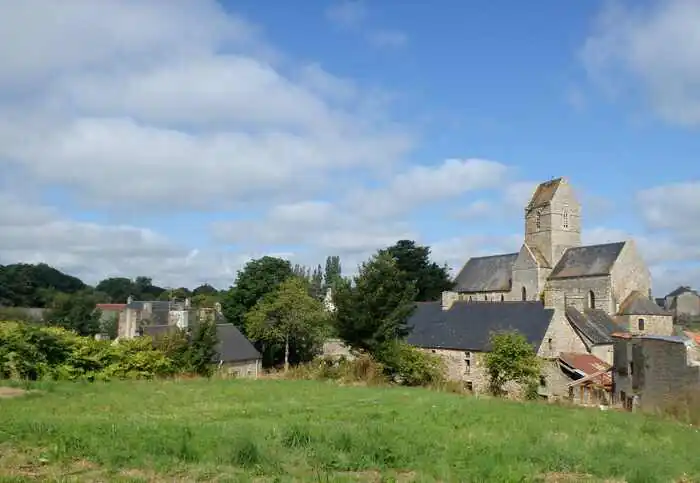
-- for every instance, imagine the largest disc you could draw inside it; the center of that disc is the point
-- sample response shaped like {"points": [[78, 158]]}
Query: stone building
{"points": [[684, 302], [587, 292], [651, 372]]}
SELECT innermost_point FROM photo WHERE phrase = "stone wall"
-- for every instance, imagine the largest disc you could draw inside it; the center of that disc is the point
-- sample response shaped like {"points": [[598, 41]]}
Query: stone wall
{"points": [[604, 352], [652, 325], [655, 370], [575, 292], [560, 337], [249, 368], [687, 304], [629, 273], [466, 366]]}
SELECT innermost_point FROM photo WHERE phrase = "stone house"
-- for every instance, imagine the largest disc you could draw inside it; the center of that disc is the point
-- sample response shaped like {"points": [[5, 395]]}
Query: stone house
{"points": [[651, 371], [682, 302], [590, 291]]}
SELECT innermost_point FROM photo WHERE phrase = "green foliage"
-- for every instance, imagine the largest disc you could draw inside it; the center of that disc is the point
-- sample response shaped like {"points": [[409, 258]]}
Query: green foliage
{"points": [[75, 312], [118, 289], [413, 260], [411, 366], [332, 274], [26, 285], [374, 310], [202, 348], [258, 278], [289, 316], [511, 359]]}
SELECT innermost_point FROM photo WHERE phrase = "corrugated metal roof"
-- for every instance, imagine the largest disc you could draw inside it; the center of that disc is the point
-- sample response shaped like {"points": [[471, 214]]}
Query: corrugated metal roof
{"points": [[469, 325], [486, 274], [587, 261]]}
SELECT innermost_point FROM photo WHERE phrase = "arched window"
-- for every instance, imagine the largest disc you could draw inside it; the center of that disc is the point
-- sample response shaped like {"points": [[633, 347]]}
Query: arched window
{"points": [[565, 219], [591, 299], [502, 298], [470, 298], [640, 324], [524, 292], [538, 220], [486, 298]]}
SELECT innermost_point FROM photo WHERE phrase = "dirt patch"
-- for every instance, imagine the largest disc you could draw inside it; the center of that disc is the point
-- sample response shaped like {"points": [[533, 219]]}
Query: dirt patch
{"points": [[9, 392], [557, 477]]}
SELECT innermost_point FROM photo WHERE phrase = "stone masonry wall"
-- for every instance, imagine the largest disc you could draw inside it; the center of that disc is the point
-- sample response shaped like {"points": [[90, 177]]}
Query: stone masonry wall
{"points": [[604, 352], [629, 273], [560, 337], [653, 324], [241, 369], [574, 292]]}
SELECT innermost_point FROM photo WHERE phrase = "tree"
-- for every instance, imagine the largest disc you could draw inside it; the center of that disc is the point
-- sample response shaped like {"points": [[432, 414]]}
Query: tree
{"points": [[414, 260], [511, 359], [375, 309], [332, 274], [287, 316], [257, 279], [27, 285], [117, 288], [205, 289], [202, 348], [75, 312]]}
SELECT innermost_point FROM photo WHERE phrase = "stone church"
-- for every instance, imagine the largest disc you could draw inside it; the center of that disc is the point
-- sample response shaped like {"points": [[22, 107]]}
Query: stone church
{"points": [[566, 298]]}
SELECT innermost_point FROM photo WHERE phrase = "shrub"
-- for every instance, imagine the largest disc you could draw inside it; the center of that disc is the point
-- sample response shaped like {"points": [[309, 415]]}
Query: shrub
{"points": [[411, 366]]}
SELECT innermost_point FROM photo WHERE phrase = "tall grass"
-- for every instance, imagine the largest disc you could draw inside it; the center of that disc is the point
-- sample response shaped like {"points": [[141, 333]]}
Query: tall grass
{"points": [[283, 430]]}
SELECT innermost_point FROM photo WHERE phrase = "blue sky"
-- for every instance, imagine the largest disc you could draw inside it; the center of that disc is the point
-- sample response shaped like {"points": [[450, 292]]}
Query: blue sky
{"points": [[179, 139]]}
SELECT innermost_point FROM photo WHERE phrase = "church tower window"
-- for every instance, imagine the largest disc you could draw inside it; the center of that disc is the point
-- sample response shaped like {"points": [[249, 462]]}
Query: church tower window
{"points": [[591, 300], [538, 220], [524, 293], [640, 324], [502, 298], [565, 219]]}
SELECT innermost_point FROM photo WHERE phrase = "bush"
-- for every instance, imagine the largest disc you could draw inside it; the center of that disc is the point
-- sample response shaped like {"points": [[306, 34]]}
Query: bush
{"points": [[410, 366]]}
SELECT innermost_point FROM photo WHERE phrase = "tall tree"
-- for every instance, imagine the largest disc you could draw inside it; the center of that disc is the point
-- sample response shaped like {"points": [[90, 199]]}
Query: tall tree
{"points": [[75, 312], [258, 278], [117, 288], [374, 310], [288, 316], [332, 274], [430, 279], [205, 289], [316, 284], [511, 358], [202, 348], [27, 285]]}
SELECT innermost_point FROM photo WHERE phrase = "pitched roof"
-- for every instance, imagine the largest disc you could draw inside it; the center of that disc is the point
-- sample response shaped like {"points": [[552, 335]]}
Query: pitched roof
{"points": [[468, 325], [155, 304], [637, 304], [681, 290], [544, 193], [233, 346], [587, 261], [486, 274], [595, 324], [111, 307]]}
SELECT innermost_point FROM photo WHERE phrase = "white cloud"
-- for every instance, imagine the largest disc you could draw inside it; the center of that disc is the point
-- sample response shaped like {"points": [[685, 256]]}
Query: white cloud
{"points": [[347, 13], [352, 15], [654, 44]]}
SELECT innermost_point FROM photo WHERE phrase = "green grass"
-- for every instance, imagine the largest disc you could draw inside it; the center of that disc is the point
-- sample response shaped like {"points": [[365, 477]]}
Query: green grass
{"points": [[278, 430]]}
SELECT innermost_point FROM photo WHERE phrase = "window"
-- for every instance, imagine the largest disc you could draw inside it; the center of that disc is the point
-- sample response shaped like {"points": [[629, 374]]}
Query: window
{"points": [[524, 293], [543, 381], [467, 362], [469, 386], [470, 298], [591, 299], [565, 219], [486, 298], [549, 343], [631, 371], [502, 298], [538, 220], [640, 324]]}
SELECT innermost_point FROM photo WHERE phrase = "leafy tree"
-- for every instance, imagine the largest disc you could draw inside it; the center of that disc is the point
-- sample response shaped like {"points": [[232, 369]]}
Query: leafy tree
{"points": [[202, 349], [332, 274], [75, 312], [287, 316], [511, 359], [374, 310], [27, 285], [258, 278], [117, 288], [316, 284], [204, 289], [414, 260]]}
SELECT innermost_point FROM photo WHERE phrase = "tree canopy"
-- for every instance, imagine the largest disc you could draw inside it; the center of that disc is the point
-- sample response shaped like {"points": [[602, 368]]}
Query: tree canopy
{"points": [[430, 279], [373, 309], [26, 285], [511, 359]]}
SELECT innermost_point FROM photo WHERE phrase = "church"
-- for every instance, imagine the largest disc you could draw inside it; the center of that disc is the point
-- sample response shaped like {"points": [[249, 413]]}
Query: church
{"points": [[566, 298]]}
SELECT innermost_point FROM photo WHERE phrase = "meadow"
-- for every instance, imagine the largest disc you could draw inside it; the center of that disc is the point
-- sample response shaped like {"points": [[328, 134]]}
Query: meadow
{"points": [[285, 430]]}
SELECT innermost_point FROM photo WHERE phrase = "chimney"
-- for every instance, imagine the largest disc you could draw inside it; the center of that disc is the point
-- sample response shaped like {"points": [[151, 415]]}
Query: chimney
{"points": [[448, 299], [129, 299]]}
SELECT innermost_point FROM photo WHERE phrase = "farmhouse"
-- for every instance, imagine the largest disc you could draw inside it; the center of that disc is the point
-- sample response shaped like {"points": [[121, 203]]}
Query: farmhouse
{"points": [[563, 296]]}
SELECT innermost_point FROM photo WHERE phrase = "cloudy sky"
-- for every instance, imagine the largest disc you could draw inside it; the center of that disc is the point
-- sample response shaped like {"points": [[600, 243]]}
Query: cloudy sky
{"points": [[179, 138]]}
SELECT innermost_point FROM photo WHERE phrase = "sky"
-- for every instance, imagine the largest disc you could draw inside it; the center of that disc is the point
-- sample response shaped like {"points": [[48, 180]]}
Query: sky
{"points": [[178, 139]]}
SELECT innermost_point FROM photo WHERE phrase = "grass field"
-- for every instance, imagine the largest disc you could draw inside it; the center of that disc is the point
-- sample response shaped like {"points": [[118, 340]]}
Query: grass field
{"points": [[280, 430]]}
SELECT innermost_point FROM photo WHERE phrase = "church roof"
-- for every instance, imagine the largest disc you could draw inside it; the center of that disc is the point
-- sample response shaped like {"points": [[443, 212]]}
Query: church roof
{"points": [[544, 193], [637, 304], [486, 274], [468, 326], [595, 324], [587, 261]]}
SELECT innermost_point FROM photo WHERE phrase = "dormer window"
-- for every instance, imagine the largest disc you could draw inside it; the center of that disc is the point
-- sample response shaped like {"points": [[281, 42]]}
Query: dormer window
{"points": [[538, 220], [565, 219]]}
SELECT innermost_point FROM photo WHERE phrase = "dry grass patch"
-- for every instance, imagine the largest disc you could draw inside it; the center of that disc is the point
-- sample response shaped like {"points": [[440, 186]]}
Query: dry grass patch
{"points": [[9, 392]]}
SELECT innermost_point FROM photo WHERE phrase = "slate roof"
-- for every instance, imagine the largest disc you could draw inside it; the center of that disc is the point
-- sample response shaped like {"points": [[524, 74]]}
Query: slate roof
{"points": [[544, 193], [587, 261], [595, 324], [486, 274], [468, 326], [233, 345], [681, 290], [155, 304], [637, 304]]}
